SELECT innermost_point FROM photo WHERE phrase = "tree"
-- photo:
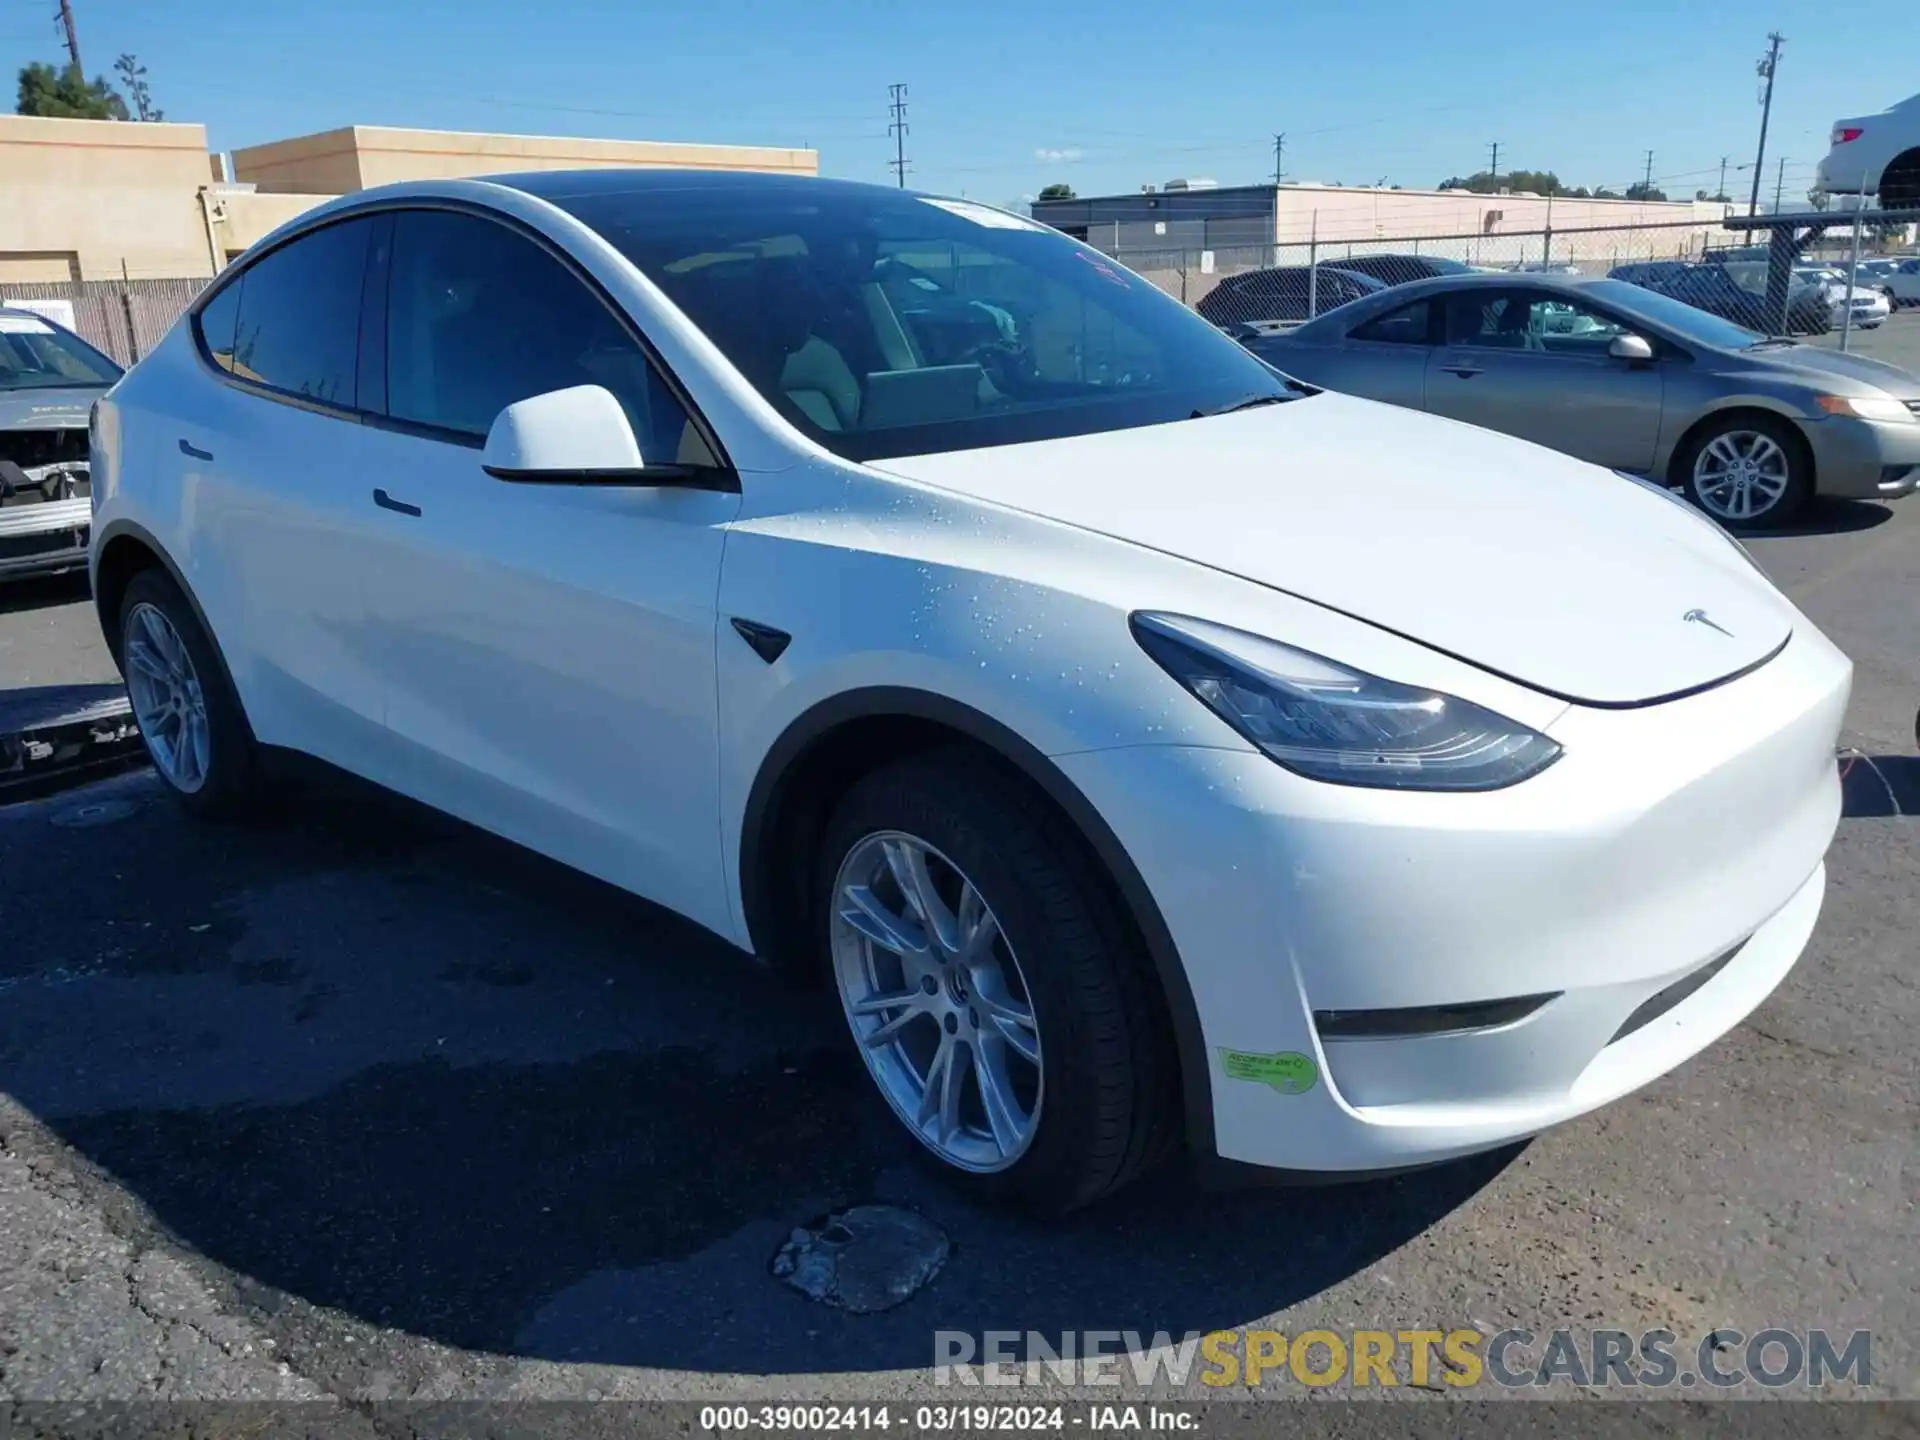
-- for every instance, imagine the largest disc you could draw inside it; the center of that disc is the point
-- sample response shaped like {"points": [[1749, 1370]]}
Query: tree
{"points": [[1059, 190], [1483, 182], [1721, 199], [1819, 199], [66, 95], [1640, 190], [134, 76]]}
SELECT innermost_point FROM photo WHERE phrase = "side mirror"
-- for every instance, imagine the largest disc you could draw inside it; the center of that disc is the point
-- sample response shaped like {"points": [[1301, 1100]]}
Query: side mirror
{"points": [[581, 436], [1630, 348]]}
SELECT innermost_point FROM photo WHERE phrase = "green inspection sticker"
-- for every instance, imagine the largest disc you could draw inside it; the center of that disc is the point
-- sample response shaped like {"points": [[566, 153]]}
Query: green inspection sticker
{"points": [[1289, 1072]]}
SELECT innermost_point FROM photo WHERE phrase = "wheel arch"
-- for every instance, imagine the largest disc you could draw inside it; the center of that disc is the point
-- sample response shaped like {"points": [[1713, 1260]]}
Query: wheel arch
{"points": [[126, 548], [1737, 410], [1902, 177], [827, 747]]}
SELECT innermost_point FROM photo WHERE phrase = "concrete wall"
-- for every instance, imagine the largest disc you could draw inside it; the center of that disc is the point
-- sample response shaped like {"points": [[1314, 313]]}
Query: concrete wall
{"points": [[78, 197], [1355, 213], [242, 217], [340, 161]]}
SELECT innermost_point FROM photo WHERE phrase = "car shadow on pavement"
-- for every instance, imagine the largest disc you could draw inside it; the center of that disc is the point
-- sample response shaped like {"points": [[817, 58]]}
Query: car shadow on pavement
{"points": [[1879, 786], [1828, 516], [41, 591], [369, 1060]]}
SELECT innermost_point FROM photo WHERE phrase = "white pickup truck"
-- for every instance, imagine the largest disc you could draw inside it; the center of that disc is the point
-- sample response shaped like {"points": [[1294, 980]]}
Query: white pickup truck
{"points": [[1876, 154]]}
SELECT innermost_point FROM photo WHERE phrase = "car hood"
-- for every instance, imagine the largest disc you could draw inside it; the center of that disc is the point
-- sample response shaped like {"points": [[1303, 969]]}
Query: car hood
{"points": [[1544, 569], [62, 409], [1818, 363]]}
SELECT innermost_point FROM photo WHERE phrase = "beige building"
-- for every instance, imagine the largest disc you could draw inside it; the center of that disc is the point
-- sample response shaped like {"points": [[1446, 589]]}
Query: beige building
{"points": [[336, 162], [95, 199]]}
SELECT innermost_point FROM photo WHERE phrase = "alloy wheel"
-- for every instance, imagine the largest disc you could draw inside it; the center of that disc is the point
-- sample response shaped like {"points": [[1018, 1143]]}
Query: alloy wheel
{"points": [[937, 1002], [1741, 475], [167, 699]]}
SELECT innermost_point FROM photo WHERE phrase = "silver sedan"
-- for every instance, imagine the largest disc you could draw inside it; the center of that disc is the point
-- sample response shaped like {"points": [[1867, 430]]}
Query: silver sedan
{"points": [[1612, 373]]}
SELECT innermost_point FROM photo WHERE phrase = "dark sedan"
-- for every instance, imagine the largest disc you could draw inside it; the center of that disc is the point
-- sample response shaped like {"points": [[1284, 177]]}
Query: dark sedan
{"points": [[1394, 269], [1628, 378], [1736, 295], [1288, 292]]}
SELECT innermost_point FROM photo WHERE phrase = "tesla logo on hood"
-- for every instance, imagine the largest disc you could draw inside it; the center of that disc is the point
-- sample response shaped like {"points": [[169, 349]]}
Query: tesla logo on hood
{"points": [[1700, 617]]}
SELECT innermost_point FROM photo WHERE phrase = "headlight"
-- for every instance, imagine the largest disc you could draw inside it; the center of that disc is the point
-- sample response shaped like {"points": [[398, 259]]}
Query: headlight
{"points": [[1866, 407], [1332, 723]]}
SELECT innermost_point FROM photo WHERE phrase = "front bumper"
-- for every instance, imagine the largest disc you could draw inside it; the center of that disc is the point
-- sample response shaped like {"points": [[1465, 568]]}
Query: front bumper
{"points": [[1863, 459], [41, 538], [1662, 839]]}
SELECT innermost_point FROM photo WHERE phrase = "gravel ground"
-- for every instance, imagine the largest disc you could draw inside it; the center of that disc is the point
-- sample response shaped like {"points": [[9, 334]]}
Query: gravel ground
{"points": [[362, 1104]]}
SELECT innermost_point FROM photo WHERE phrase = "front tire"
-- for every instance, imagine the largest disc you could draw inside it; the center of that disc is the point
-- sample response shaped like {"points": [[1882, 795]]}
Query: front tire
{"points": [[1748, 471], [1004, 1013], [189, 718]]}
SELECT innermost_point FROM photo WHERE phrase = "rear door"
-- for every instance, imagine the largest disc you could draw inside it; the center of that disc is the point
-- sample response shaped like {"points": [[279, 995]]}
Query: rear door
{"points": [[1534, 363], [267, 453]]}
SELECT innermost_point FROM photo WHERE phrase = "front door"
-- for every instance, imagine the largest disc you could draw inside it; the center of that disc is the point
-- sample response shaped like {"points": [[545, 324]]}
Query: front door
{"points": [[1533, 363], [548, 649]]}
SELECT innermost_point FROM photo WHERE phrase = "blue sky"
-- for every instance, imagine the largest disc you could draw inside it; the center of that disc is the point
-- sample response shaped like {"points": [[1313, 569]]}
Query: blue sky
{"points": [[1006, 96]]}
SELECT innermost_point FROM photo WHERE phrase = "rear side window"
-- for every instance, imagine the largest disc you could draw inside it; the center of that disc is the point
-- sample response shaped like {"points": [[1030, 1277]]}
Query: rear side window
{"points": [[298, 326], [479, 316], [1409, 325], [216, 324]]}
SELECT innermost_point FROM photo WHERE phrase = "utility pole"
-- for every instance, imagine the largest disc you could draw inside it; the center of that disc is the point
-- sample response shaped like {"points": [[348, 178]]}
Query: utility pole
{"points": [[1780, 185], [1768, 64], [1646, 185], [73, 36], [1493, 165], [1721, 193], [1279, 157], [898, 129]]}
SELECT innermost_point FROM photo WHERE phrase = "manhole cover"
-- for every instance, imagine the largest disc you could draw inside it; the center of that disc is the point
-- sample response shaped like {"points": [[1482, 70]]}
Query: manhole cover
{"points": [[90, 813], [864, 1259]]}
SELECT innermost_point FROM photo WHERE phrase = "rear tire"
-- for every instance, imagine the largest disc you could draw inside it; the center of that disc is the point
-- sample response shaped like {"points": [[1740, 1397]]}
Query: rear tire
{"points": [[1749, 472], [1089, 1069], [189, 718]]}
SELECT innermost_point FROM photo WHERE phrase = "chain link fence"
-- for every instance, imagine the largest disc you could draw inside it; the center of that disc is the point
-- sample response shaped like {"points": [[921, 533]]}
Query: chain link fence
{"points": [[121, 318], [1711, 268]]}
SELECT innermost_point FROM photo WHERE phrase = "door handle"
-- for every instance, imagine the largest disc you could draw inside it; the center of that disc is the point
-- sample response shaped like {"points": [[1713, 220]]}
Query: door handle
{"points": [[193, 452], [399, 507], [1465, 372]]}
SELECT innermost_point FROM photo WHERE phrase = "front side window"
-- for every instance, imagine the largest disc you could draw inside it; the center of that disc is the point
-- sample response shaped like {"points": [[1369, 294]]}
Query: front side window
{"points": [[885, 323], [297, 328], [36, 356], [1531, 321], [479, 317]]}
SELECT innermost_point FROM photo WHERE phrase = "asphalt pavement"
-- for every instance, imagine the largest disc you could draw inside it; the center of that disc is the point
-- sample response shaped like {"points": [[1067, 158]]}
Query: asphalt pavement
{"points": [[359, 1103]]}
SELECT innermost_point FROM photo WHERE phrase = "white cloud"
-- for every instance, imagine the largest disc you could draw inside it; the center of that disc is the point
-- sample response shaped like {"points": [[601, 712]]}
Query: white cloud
{"points": [[1057, 157]]}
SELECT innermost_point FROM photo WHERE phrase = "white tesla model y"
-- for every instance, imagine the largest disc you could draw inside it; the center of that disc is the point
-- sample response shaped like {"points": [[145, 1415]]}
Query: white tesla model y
{"points": [[1151, 750]]}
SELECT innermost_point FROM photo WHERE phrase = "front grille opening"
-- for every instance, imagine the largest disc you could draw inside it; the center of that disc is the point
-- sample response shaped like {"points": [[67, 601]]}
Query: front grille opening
{"points": [[1427, 1020], [1658, 1004]]}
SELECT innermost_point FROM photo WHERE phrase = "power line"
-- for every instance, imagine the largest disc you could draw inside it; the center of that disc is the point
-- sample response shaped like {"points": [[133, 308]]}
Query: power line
{"points": [[898, 129], [1768, 64]]}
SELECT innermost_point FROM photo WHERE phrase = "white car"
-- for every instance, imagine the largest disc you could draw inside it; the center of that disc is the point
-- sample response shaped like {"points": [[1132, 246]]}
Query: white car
{"points": [[1876, 155], [1903, 282], [1150, 750], [1868, 302]]}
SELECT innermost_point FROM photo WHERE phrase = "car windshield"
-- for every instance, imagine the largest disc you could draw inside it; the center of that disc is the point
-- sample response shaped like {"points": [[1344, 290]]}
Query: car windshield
{"points": [[883, 323], [1678, 316], [36, 356]]}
